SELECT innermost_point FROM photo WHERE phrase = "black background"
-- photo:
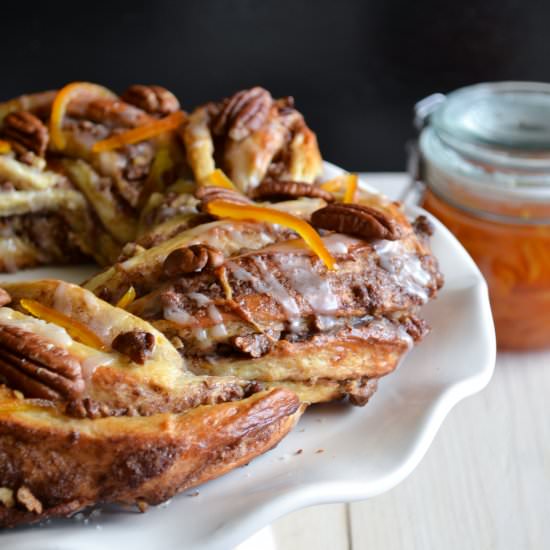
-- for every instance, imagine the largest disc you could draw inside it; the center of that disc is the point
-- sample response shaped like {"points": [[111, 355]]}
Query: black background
{"points": [[355, 68]]}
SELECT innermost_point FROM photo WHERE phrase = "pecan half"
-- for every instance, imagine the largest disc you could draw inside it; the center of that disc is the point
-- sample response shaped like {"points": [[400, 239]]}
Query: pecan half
{"points": [[5, 298], [360, 391], [243, 113], [136, 344], [208, 193], [27, 130], [36, 367], [357, 220], [191, 259], [280, 190], [154, 100], [423, 226], [254, 345], [114, 114]]}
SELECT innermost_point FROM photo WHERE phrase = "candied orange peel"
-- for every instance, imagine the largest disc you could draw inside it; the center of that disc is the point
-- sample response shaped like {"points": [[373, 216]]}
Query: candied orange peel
{"points": [[224, 209], [218, 178], [61, 103], [5, 147], [351, 188], [333, 185], [141, 133], [348, 182], [127, 298], [76, 329]]}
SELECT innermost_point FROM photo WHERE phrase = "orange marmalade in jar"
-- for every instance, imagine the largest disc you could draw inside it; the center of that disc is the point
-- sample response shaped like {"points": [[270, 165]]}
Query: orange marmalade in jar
{"points": [[485, 164]]}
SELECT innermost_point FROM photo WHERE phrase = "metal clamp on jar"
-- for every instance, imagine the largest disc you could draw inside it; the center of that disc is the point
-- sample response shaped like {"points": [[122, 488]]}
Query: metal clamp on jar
{"points": [[485, 163]]}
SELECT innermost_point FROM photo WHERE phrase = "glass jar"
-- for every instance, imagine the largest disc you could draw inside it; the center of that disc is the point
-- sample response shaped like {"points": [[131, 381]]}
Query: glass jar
{"points": [[485, 164]]}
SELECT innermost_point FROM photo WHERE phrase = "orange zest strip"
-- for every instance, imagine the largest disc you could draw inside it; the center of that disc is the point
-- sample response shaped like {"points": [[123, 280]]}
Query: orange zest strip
{"points": [[332, 185], [222, 274], [224, 209], [61, 102], [351, 188], [141, 133], [127, 298], [5, 147], [219, 179], [76, 330]]}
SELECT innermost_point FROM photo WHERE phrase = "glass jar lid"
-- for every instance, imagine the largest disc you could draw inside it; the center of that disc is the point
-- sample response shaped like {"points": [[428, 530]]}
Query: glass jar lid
{"points": [[513, 117], [487, 145], [497, 134]]}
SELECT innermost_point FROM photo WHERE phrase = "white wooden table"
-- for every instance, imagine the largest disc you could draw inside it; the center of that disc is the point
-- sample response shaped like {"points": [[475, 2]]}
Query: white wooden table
{"points": [[484, 483]]}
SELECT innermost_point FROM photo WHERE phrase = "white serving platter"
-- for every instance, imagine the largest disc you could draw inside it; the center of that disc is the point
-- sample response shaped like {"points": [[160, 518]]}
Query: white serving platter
{"points": [[347, 453]]}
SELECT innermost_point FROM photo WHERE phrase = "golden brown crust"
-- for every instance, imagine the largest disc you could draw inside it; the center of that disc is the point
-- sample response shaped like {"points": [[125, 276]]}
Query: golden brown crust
{"points": [[85, 462], [141, 426], [114, 184], [232, 327]]}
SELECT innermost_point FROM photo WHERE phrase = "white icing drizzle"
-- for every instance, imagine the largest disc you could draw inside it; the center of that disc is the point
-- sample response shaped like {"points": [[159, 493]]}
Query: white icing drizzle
{"points": [[200, 299], [314, 288], [241, 274], [295, 325], [269, 284], [93, 360], [201, 336], [293, 259], [61, 301], [406, 337], [341, 244], [54, 333], [177, 315], [99, 322], [326, 322], [405, 267], [218, 331], [214, 314]]}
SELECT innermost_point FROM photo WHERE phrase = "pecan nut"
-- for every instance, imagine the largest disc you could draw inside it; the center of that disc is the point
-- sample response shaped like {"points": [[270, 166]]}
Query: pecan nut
{"points": [[208, 193], [5, 298], [423, 226], [357, 220], [154, 100], [36, 367], [253, 345], [360, 391], [279, 190], [243, 113], [138, 345], [114, 114], [27, 130], [191, 259]]}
